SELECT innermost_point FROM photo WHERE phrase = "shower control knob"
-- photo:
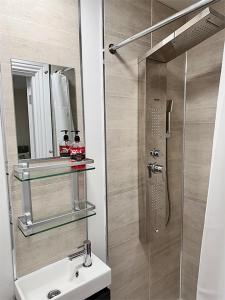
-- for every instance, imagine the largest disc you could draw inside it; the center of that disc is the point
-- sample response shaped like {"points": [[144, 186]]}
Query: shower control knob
{"points": [[155, 153], [154, 169]]}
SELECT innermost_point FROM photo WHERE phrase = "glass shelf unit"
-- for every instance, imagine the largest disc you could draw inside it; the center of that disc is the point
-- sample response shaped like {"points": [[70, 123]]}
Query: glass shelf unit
{"points": [[26, 171], [31, 228]]}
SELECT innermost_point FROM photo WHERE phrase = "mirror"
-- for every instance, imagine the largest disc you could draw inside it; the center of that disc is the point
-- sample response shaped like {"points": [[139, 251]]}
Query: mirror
{"points": [[45, 104]]}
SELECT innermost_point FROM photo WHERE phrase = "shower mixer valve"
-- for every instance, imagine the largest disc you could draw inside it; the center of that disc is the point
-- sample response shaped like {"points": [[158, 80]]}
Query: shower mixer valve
{"points": [[155, 153], [154, 168]]}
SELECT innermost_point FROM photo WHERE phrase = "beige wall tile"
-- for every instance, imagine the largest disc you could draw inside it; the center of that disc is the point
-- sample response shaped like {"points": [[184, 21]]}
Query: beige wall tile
{"points": [[198, 142], [194, 187], [164, 262], [135, 289], [124, 17], [166, 288], [189, 287], [129, 262], [126, 254], [160, 12], [123, 209], [202, 92], [123, 234]]}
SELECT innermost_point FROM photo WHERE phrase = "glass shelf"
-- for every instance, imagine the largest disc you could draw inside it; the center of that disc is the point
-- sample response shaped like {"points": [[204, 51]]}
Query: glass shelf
{"points": [[39, 169], [31, 228]]}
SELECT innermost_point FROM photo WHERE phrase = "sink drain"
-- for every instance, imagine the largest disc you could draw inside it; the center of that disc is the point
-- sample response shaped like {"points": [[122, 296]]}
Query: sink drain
{"points": [[53, 294]]}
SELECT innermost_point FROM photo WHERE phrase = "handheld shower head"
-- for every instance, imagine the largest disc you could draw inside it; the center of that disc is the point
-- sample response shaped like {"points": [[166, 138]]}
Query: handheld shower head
{"points": [[169, 108]]}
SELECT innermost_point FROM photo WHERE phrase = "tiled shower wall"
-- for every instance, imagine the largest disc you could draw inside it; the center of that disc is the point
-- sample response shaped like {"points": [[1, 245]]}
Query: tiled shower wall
{"points": [[203, 75], [43, 31], [132, 270], [127, 256]]}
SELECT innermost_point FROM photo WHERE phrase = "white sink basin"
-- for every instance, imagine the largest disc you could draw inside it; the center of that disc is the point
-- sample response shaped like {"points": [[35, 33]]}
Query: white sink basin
{"points": [[61, 276]]}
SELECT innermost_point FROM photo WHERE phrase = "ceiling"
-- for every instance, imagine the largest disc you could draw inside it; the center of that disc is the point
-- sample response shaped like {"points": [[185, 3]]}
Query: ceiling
{"points": [[178, 4]]}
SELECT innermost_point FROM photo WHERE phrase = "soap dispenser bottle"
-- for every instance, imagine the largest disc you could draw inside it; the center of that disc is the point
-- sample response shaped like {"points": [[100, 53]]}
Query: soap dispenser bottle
{"points": [[77, 149], [64, 146]]}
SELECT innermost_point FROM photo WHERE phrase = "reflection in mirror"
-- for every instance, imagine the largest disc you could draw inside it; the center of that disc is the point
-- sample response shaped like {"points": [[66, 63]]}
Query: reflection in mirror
{"points": [[45, 104]]}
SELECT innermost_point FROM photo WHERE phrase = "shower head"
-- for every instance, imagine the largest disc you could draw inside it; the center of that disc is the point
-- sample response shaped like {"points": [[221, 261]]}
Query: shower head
{"points": [[169, 106], [204, 25]]}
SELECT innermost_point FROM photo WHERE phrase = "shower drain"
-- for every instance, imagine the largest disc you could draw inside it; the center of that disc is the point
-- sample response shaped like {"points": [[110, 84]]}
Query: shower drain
{"points": [[53, 294]]}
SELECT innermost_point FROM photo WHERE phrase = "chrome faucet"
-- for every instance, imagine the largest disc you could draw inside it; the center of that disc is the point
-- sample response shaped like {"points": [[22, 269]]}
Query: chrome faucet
{"points": [[154, 168], [86, 252]]}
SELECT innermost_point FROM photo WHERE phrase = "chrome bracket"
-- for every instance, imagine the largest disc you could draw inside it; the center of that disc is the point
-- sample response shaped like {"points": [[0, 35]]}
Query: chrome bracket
{"points": [[75, 191], [26, 195]]}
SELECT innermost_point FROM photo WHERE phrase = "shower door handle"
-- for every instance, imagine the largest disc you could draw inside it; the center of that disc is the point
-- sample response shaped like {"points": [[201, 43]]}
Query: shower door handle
{"points": [[154, 168]]}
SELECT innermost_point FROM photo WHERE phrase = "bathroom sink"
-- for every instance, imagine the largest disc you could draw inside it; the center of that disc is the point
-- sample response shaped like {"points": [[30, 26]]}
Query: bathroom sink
{"points": [[64, 280]]}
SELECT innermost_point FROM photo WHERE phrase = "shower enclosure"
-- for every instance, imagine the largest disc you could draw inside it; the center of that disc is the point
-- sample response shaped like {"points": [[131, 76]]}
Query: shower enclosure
{"points": [[162, 98], [178, 84]]}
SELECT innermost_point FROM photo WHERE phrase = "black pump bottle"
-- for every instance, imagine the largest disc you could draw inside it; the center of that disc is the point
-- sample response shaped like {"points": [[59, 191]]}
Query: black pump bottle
{"points": [[64, 146]]}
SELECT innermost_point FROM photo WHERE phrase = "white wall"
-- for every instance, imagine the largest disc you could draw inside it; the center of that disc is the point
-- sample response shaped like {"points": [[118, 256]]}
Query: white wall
{"points": [[6, 273], [92, 44]]}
